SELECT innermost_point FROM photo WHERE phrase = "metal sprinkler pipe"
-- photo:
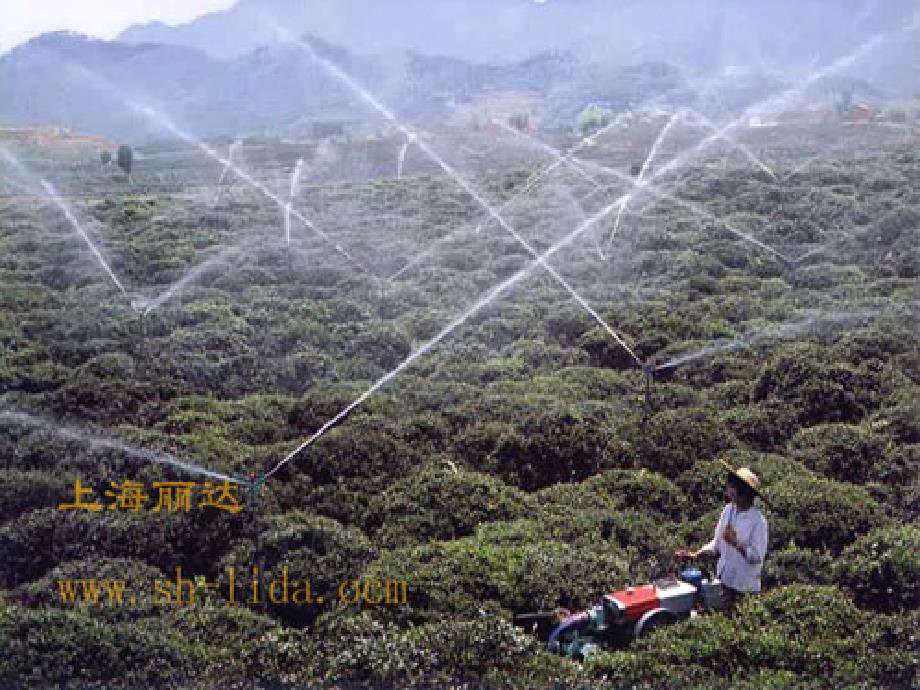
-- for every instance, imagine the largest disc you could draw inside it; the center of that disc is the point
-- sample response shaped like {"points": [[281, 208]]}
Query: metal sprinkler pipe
{"points": [[648, 370], [258, 555], [140, 345]]}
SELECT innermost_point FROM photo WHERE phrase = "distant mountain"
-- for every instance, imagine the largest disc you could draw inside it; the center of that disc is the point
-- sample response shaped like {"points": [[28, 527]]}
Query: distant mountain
{"points": [[70, 80], [90, 85], [708, 36]]}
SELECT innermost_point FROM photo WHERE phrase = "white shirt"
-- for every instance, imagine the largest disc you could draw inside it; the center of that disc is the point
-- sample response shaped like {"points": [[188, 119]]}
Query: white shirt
{"points": [[734, 570]]}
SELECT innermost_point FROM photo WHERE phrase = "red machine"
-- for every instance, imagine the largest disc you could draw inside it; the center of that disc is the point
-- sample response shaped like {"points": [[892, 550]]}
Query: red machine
{"points": [[624, 615]]}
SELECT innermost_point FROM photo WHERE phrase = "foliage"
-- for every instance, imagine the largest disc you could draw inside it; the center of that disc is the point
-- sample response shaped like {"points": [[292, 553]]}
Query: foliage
{"points": [[704, 483], [674, 440], [840, 451], [138, 577], [881, 567], [459, 653], [519, 464], [125, 158], [191, 540], [816, 390], [615, 490], [54, 647], [442, 503], [23, 491], [545, 446], [809, 633], [309, 548], [821, 513], [592, 119], [457, 578], [792, 564]]}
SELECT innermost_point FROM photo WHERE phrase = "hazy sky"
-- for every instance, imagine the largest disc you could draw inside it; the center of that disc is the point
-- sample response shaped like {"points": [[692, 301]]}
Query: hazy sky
{"points": [[20, 20]]}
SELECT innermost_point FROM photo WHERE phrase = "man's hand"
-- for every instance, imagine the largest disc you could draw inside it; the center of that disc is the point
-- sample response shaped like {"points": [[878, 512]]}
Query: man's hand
{"points": [[732, 540], [686, 554]]}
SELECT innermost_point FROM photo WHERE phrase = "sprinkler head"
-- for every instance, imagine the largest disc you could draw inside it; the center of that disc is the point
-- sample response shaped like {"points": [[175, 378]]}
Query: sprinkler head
{"points": [[648, 368], [140, 305]]}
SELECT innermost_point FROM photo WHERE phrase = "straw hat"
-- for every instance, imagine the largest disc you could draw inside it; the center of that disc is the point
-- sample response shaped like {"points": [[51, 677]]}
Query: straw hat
{"points": [[745, 476]]}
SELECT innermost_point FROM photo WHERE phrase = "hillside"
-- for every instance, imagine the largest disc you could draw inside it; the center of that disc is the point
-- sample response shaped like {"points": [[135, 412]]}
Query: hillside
{"points": [[704, 36], [92, 85], [523, 462]]}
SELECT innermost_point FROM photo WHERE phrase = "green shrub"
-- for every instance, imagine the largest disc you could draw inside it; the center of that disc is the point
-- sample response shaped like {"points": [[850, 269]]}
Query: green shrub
{"points": [[324, 402], [890, 228], [245, 647], [674, 440], [138, 577], [312, 548], [766, 426], [440, 504], [347, 501], [814, 634], [840, 451], [457, 578], [23, 491], [47, 647], [881, 569], [618, 489], [901, 415], [650, 539], [479, 652], [899, 479], [820, 513], [385, 346], [546, 446], [875, 342], [365, 447], [39, 540], [816, 390], [605, 351], [794, 565], [704, 483]]}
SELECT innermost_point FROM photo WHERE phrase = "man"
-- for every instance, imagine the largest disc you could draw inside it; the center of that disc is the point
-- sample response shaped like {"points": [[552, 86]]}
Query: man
{"points": [[740, 538]]}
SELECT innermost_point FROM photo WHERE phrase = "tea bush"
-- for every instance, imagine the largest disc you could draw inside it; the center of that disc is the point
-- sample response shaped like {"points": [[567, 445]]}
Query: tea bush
{"points": [[442, 504], [815, 634], [881, 567]]}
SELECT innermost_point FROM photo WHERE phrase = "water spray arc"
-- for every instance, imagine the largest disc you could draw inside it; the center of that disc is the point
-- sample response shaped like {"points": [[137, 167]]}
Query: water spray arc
{"points": [[480, 304], [114, 444], [731, 141], [165, 122], [640, 180], [788, 330], [401, 158], [463, 184], [531, 183], [65, 209], [782, 100], [569, 157], [160, 119], [295, 180], [566, 159], [484, 301], [189, 278], [646, 186], [234, 147]]}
